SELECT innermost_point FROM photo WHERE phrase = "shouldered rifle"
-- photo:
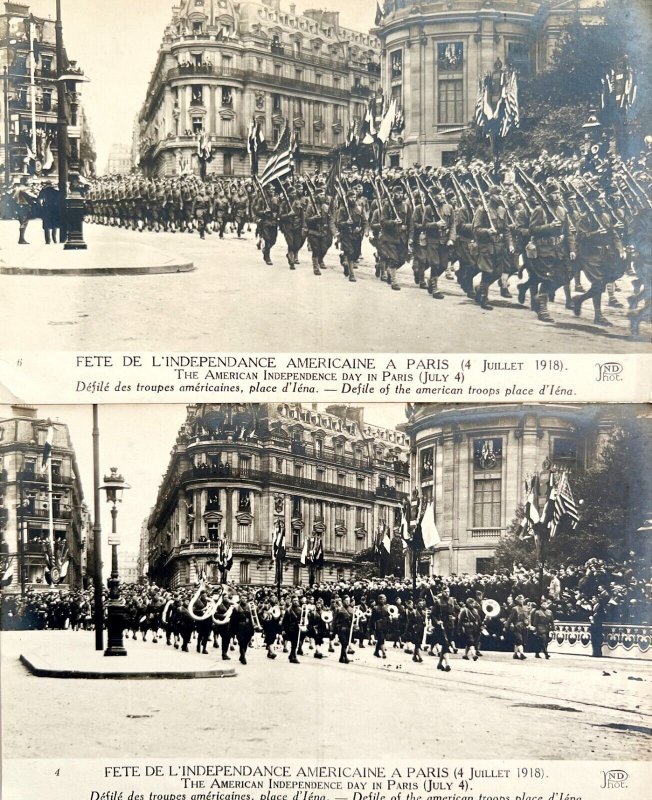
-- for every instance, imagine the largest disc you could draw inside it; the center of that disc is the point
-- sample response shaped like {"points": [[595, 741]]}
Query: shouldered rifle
{"points": [[398, 220], [487, 179], [551, 218], [342, 197], [639, 189], [431, 199], [590, 209], [262, 193], [484, 203]]}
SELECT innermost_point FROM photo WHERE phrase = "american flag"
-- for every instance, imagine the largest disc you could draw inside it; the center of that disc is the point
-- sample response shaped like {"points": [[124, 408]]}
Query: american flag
{"points": [[565, 508], [510, 112], [281, 162]]}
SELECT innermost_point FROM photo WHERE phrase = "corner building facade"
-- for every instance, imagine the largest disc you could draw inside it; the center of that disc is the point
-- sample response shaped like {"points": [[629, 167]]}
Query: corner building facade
{"points": [[472, 461], [237, 471], [24, 501], [434, 52], [222, 64]]}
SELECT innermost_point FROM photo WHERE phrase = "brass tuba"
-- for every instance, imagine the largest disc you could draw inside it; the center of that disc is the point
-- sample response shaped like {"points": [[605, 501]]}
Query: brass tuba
{"points": [[207, 612], [491, 608], [392, 610]]}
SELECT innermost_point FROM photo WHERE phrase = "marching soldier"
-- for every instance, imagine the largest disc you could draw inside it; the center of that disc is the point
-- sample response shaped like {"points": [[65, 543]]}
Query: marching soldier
{"points": [[266, 211], [350, 227], [320, 234], [291, 222], [494, 242], [395, 223]]}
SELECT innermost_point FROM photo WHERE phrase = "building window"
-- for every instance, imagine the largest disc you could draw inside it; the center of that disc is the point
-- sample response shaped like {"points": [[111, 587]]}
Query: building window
{"points": [[341, 480], [56, 470], [197, 57], [296, 538], [276, 107], [278, 70], [396, 65], [318, 78], [244, 500], [397, 94], [197, 27], [427, 464], [297, 107], [337, 81], [197, 124], [228, 164], [296, 507], [319, 447], [244, 572], [564, 453], [243, 533], [360, 483], [46, 65], [244, 464], [29, 467], [227, 96], [321, 474], [484, 565], [213, 500], [487, 454], [486, 502], [518, 57], [450, 55], [196, 95], [279, 465], [451, 101], [227, 127], [340, 574], [213, 529], [298, 74], [298, 470], [296, 575], [47, 100]]}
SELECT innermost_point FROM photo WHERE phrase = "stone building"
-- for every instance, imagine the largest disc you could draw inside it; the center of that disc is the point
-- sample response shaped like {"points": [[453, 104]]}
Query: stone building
{"points": [[26, 107], [25, 501], [237, 472], [222, 64], [473, 461], [434, 52]]}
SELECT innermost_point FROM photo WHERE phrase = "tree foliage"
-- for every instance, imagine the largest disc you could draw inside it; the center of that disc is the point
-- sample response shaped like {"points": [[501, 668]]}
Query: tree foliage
{"points": [[554, 104], [614, 498]]}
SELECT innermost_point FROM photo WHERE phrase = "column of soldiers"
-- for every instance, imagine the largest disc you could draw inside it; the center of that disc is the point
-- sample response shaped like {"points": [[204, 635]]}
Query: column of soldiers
{"points": [[543, 224]]}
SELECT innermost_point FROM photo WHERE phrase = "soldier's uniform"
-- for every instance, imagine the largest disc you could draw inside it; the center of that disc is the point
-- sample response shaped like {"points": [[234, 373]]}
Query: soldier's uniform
{"points": [[350, 227], [320, 232], [291, 220], [396, 233], [494, 242], [266, 213]]}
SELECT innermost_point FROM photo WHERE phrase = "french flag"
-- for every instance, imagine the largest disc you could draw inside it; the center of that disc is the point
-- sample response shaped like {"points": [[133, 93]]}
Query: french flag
{"points": [[47, 447]]}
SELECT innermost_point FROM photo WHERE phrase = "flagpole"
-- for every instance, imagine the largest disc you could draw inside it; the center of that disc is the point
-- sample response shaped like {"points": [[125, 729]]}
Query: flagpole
{"points": [[50, 513], [98, 614], [32, 87]]}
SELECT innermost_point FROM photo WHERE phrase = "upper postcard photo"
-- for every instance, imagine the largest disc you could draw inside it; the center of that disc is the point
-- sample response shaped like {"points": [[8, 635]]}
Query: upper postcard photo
{"points": [[451, 176]]}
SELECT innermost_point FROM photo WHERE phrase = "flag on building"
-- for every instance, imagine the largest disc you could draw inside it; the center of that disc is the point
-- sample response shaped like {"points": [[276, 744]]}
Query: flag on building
{"points": [[565, 509], [387, 541], [387, 123], [380, 14], [429, 531], [304, 552], [281, 162], [531, 508], [317, 553], [6, 573], [225, 555], [278, 541], [255, 144], [619, 88], [510, 110], [47, 447]]}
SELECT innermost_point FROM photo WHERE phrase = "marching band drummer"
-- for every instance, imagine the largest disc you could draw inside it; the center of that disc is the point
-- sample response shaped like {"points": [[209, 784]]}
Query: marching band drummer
{"points": [[342, 623], [242, 627], [292, 629], [380, 621], [317, 627], [415, 628], [270, 619]]}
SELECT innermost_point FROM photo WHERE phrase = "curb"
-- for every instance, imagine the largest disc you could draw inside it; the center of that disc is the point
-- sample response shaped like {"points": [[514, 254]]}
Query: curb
{"points": [[49, 672], [163, 269]]}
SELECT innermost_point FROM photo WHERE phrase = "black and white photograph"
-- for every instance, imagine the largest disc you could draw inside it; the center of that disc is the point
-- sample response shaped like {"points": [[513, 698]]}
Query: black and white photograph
{"points": [[336, 582], [173, 171]]}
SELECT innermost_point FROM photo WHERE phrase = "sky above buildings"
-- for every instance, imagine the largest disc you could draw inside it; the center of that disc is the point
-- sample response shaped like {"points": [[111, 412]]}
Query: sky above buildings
{"points": [[138, 439], [116, 41]]}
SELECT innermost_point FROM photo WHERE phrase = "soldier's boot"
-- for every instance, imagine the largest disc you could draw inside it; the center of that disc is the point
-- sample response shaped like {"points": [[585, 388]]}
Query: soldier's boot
{"points": [[393, 282], [611, 292], [46, 232], [321, 264], [21, 234], [417, 275], [504, 289], [567, 296], [352, 277], [315, 265], [378, 268], [436, 294], [578, 284], [542, 313], [598, 319], [290, 259], [267, 255], [482, 297]]}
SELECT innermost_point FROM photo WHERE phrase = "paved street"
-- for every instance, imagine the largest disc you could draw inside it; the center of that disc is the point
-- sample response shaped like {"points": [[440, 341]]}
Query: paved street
{"points": [[568, 707], [234, 302]]}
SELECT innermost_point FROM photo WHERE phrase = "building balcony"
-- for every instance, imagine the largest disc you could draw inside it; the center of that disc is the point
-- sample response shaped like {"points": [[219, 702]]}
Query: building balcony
{"points": [[486, 533], [390, 493], [267, 478], [402, 468], [360, 91], [43, 513], [42, 478], [373, 69]]}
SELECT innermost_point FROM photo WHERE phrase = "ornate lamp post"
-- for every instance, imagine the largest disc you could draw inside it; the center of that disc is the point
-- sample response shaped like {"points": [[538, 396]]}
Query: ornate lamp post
{"points": [[114, 485], [68, 141]]}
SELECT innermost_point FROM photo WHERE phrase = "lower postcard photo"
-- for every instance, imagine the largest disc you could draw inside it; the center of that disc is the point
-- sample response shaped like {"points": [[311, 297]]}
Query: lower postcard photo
{"points": [[305, 601]]}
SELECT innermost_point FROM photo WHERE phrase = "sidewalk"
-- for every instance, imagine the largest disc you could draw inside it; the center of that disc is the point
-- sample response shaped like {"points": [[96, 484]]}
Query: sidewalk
{"points": [[69, 654], [106, 255]]}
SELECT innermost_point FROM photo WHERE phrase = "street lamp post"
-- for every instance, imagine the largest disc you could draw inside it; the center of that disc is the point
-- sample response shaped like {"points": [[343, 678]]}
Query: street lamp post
{"points": [[114, 485], [68, 134]]}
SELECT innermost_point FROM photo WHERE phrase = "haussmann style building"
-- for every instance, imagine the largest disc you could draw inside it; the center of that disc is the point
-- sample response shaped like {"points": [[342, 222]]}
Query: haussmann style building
{"points": [[237, 472], [25, 500], [473, 460], [223, 64], [434, 53]]}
